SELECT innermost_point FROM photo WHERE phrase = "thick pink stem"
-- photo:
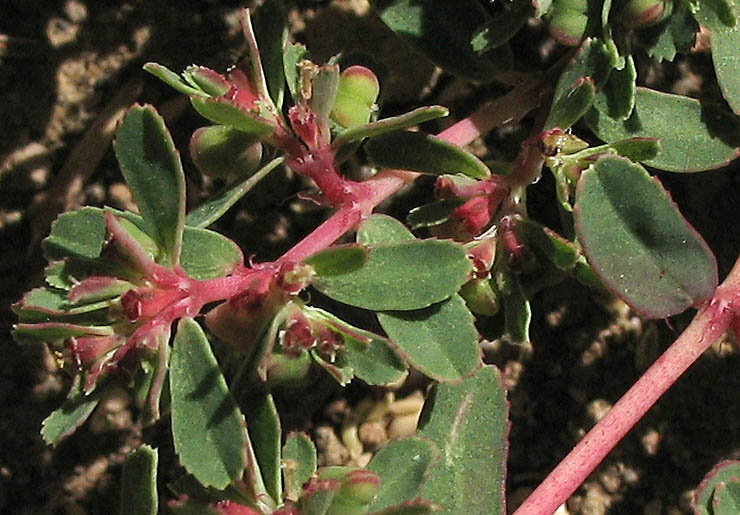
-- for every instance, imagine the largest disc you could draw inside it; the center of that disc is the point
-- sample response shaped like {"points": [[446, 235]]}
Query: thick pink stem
{"points": [[708, 325]]}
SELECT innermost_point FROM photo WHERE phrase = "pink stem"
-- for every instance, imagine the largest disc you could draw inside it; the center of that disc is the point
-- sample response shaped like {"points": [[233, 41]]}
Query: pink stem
{"points": [[707, 326], [510, 108]]}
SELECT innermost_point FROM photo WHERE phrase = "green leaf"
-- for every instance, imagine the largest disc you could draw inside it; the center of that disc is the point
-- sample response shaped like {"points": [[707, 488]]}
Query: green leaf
{"points": [[426, 23], [263, 425], [468, 422], [207, 254], [338, 260], [637, 241], [559, 251], [214, 208], [637, 149], [401, 465], [152, 169], [298, 462], [294, 53], [170, 78], [727, 499], [675, 35], [693, 136], [72, 414], [337, 367], [77, 234], [400, 276], [723, 473], [423, 153], [324, 89], [502, 28], [726, 58], [573, 105], [517, 311], [52, 331], [222, 111], [394, 123], [271, 31], [382, 228], [441, 340], [376, 363], [716, 15], [592, 60], [617, 98], [207, 427], [139, 482], [433, 214], [370, 357], [415, 507]]}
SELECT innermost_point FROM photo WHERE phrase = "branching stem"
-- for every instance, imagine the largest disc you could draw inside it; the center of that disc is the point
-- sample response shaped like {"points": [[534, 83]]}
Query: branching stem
{"points": [[709, 324]]}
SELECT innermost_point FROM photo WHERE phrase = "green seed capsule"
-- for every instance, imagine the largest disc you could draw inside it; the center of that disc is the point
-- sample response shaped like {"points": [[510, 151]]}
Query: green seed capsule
{"points": [[568, 27], [644, 13], [222, 152]]}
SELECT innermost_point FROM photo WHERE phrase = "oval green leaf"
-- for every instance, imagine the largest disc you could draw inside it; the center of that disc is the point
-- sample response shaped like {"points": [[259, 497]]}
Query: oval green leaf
{"points": [[382, 228], [208, 429], [573, 105], [338, 260], [424, 24], [400, 276], [469, 423], [139, 482], [152, 169], [72, 414], [423, 153], [401, 465], [726, 57], [638, 242], [441, 341], [693, 136]]}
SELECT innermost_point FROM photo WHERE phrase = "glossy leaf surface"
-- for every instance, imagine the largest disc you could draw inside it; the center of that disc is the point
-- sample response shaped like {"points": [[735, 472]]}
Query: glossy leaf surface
{"points": [[401, 466], [637, 241], [400, 276], [468, 422], [693, 137], [441, 340], [207, 427], [423, 153], [152, 169], [139, 482]]}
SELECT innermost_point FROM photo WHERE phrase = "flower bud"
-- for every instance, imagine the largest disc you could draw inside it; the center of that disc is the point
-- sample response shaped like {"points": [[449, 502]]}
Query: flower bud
{"points": [[355, 99], [222, 152]]}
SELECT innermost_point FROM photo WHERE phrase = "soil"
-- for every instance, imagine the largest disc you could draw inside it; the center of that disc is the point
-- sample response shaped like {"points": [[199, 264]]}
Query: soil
{"points": [[69, 65]]}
